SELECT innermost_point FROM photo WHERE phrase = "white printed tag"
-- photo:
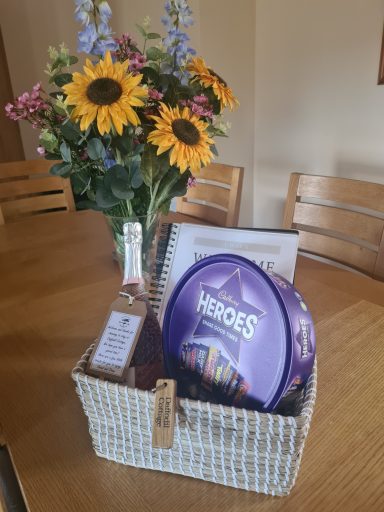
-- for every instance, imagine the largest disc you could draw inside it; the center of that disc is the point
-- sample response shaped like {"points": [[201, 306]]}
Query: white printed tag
{"points": [[116, 343]]}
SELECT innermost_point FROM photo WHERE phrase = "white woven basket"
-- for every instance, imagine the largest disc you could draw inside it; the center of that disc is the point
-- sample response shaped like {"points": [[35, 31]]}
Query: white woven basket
{"points": [[236, 447]]}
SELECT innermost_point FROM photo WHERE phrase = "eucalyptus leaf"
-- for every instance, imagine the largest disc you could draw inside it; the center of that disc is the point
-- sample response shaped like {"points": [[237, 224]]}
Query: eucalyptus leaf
{"points": [[136, 175], [65, 151], [141, 30], [214, 149], [96, 149], [87, 204], [123, 144], [70, 131], [153, 35], [120, 182], [63, 79], [52, 156], [105, 198], [150, 74], [62, 169], [154, 53]]}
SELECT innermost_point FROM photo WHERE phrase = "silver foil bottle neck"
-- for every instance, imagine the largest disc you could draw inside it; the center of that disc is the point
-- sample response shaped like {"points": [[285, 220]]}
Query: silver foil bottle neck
{"points": [[132, 232], [133, 238]]}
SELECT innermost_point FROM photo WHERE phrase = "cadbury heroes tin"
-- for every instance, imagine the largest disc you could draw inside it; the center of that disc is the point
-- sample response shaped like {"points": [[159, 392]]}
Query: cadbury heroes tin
{"points": [[235, 335]]}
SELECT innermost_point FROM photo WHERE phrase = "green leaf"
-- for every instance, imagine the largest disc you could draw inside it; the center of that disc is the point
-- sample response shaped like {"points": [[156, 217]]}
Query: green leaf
{"points": [[120, 182], [141, 30], [214, 150], [173, 184], [65, 151], [123, 144], [96, 149], [150, 75], [136, 176], [63, 169], [139, 148], [154, 53], [149, 165], [88, 204], [80, 182], [55, 94], [153, 35], [72, 59], [62, 79], [105, 198], [52, 156], [70, 131]]}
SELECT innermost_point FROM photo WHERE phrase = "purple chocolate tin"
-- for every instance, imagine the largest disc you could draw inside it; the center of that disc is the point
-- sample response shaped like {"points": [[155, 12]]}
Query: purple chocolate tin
{"points": [[235, 335]]}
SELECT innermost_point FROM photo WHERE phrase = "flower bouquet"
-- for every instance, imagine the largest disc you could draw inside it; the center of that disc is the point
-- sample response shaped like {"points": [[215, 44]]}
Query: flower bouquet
{"points": [[136, 125]]}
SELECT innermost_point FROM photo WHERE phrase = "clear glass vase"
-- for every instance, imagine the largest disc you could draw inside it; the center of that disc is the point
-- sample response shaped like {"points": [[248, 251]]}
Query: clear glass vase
{"points": [[150, 226]]}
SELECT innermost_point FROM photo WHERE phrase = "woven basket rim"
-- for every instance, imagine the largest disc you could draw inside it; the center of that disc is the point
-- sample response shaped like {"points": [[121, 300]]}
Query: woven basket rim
{"points": [[78, 373]]}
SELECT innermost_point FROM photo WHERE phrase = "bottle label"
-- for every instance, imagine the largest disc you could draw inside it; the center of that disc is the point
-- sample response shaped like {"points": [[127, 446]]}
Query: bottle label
{"points": [[116, 344]]}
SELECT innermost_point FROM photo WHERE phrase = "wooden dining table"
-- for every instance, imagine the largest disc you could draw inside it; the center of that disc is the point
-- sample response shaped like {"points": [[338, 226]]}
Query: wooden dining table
{"points": [[57, 280]]}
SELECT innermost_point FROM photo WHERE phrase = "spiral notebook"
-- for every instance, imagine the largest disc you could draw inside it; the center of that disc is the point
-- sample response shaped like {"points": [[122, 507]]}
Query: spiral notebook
{"points": [[182, 245]]}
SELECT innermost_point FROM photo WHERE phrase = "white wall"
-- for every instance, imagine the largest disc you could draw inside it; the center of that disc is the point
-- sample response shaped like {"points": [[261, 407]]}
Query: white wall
{"points": [[223, 35], [318, 108]]}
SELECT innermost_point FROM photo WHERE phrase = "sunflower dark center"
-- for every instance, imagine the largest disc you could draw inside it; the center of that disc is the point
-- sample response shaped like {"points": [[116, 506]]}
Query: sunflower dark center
{"points": [[104, 91], [186, 131], [221, 80]]}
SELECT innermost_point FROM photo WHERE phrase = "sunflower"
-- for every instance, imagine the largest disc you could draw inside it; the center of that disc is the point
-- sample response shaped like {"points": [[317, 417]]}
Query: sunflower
{"points": [[184, 133], [208, 78], [106, 92]]}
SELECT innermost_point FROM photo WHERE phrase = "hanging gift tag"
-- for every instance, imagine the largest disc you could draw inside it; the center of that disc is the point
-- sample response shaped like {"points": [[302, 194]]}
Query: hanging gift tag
{"points": [[164, 413], [116, 344]]}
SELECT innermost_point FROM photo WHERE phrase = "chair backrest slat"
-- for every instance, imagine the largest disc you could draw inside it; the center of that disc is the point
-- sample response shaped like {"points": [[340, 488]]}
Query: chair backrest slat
{"points": [[12, 189], [343, 190], [347, 253], [340, 219], [344, 222], [216, 198], [27, 188]]}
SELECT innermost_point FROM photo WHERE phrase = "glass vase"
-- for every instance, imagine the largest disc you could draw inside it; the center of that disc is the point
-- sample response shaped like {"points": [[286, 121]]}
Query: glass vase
{"points": [[150, 224]]}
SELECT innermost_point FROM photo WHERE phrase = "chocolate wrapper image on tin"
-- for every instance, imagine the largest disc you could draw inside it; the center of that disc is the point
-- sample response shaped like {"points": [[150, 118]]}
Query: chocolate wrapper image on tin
{"points": [[210, 375]]}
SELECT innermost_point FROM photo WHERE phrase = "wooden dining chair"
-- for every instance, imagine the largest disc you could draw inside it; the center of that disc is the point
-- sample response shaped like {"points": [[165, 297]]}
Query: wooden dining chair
{"points": [[216, 196], [339, 219], [27, 188]]}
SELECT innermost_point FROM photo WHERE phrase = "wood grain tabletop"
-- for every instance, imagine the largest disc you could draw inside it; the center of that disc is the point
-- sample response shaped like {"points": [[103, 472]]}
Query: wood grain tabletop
{"points": [[57, 279]]}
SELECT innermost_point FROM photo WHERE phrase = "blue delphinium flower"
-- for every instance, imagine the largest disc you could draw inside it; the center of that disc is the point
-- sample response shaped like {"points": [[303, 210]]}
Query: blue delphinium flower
{"points": [[87, 38], [178, 12], [97, 36], [83, 11], [104, 41], [184, 12], [105, 12]]}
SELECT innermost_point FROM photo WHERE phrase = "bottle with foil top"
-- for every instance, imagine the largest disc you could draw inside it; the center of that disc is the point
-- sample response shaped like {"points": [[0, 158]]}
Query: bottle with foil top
{"points": [[148, 355]]}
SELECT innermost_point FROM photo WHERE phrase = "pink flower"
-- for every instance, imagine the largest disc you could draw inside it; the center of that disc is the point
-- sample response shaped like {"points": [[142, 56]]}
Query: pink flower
{"points": [[136, 61], [40, 150], [199, 105], [154, 94], [29, 106], [192, 182]]}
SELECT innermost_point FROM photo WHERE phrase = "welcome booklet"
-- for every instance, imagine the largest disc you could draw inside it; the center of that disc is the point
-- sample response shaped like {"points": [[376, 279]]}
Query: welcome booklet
{"points": [[182, 245]]}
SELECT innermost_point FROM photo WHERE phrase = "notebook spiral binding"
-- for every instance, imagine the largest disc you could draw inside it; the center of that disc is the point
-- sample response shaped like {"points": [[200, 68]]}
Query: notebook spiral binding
{"points": [[163, 263]]}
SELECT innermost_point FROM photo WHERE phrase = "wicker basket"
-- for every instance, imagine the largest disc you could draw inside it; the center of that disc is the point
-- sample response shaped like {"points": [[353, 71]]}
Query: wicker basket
{"points": [[236, 447]]}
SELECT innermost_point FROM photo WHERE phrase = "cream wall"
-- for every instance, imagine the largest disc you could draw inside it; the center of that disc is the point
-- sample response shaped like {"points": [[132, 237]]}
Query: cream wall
{"points": [[318, 108], [224, 37]]}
